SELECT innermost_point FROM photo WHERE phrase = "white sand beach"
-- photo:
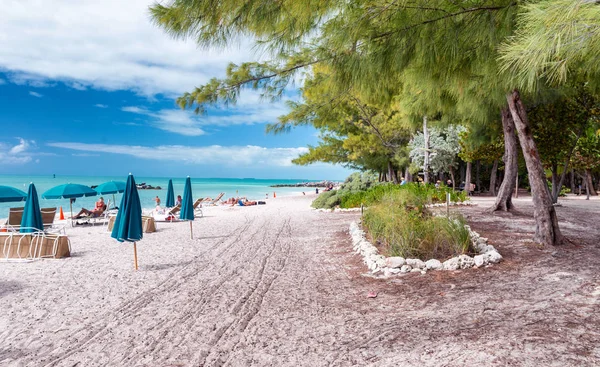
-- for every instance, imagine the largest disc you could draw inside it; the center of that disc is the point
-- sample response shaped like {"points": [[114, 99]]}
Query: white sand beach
{"points": [[278, 285]]}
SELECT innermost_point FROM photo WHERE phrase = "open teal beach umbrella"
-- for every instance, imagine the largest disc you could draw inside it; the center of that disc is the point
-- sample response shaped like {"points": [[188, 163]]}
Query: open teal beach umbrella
{"points": [[128, 224], [32, 216], [10, 194], [111, 187], [170, 202], [68, 191], [187, 205]]}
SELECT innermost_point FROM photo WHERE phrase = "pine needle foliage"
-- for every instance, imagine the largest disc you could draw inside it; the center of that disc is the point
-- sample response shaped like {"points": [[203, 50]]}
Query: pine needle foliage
{"points": [[555, 39]]}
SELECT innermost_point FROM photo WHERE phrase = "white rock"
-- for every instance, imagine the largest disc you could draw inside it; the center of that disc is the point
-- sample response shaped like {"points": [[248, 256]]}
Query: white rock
{"points": [[395, 261], [380, 261], [415, 263], [433, 264], [494, 256], [465, 261], [394, 270], [405, 269], [479, 260], [415, 270], [451, 264]]}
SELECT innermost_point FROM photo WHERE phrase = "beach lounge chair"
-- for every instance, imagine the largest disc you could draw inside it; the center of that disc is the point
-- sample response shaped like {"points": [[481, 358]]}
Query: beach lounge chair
{"points": [[32, 246], [214, 201], [48, 217], [198, 208], [13, 223], [170, 215], [93, 218]]}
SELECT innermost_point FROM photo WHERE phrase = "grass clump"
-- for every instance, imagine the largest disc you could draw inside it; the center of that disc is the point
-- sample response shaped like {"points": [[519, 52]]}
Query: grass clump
{"points": [[405, 228]]}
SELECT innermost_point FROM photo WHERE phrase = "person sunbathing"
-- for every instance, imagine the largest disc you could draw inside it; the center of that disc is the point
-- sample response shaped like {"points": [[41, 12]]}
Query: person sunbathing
{"points": [[94, 213], [246, 202]]}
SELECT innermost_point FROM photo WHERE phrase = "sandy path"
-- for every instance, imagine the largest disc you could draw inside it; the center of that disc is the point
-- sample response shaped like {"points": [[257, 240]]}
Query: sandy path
{"points": [[277, 285]]}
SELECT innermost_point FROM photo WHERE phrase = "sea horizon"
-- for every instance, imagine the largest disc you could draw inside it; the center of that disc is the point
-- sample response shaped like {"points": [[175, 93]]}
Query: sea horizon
{"points": [[252, 188]]}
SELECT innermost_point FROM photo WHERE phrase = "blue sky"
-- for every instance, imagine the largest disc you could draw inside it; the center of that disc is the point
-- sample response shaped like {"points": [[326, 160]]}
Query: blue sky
{"points": [[89, 88]]}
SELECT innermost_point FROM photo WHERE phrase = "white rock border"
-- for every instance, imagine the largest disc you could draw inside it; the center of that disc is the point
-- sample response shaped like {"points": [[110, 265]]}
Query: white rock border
{"points": [[438, 205], [388, 266]]}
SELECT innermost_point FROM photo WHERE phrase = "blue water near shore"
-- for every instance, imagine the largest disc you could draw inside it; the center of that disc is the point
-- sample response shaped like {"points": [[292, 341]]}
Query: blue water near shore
{"points": [[201, 187]]}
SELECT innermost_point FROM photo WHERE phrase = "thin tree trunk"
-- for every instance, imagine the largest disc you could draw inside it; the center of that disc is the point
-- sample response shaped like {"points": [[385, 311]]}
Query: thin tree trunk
{"points": [[572, 181], [511, 153], [407, 175], [587, 185], [589, 182], [467, 187], [493, 177], [477, 177], [547, 231], [392, 173], [555, 187], [452, 178], [426, 138]]}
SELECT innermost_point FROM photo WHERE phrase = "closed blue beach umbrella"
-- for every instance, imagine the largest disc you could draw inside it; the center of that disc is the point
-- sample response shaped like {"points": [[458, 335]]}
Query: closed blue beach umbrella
{"points": [[187, 205], [69, 191], [32, 216], [170, 202], [128, 224], [10, 194]]}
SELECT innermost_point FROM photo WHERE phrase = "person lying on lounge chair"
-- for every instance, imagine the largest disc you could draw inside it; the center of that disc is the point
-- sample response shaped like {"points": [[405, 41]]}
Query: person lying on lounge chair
{"points": [[246, 202], [94, 213]]}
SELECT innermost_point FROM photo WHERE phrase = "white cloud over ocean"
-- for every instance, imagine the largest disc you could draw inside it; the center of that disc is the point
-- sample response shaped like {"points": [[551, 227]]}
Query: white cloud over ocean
{"points": [[208, 155], [108, 44], [16, 154]]}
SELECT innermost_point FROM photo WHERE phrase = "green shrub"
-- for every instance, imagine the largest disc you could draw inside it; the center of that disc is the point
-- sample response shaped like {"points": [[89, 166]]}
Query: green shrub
{"points": [[401, 224], [325, 199]]}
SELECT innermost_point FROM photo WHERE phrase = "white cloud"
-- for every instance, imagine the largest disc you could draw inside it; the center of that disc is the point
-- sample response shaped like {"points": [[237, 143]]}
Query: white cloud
{"points": [[209, 155], [175, 121], [249, 110], [36, 94], [108, 44], [16, 154], [100, 105]]}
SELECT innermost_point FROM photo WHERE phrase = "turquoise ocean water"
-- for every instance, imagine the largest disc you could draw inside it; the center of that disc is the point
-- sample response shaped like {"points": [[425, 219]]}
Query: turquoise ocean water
{"points": [[201, 187]]}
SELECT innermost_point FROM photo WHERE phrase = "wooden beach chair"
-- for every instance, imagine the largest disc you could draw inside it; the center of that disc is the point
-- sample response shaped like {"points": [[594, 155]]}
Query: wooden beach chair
{"points": [[33, 246], [13, 223]]}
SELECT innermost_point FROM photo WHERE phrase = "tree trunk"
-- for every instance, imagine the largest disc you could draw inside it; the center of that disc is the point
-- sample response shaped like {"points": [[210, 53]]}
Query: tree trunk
{"points": [[555, 187], [467, 187], [407, 175], [493, 178], [392, 173], [477, 180], [589, 182], [452, 178], [546, 231], [572, 181], [587, 185], [426, 138], [511, 154]]}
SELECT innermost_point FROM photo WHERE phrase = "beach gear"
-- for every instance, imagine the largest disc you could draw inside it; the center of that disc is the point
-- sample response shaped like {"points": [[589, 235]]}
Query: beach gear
{"points": [[128, 223], [69, 191], [10, 194], [32, 216], [62, 215], [187, 205], [170, 201]]}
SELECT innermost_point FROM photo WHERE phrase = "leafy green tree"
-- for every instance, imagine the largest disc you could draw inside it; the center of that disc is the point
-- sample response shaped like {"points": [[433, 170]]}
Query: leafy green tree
{"points": [[432, 56], [443, 149]]}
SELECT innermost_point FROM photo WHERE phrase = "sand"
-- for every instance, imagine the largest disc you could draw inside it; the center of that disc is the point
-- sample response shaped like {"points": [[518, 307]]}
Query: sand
{"points": [[278, 285]]}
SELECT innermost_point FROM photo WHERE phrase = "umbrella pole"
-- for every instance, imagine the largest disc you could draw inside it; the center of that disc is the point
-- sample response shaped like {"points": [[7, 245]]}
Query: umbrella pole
{"points": [[71, 206], [114, 201], [135, 256], [191, 232]]}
